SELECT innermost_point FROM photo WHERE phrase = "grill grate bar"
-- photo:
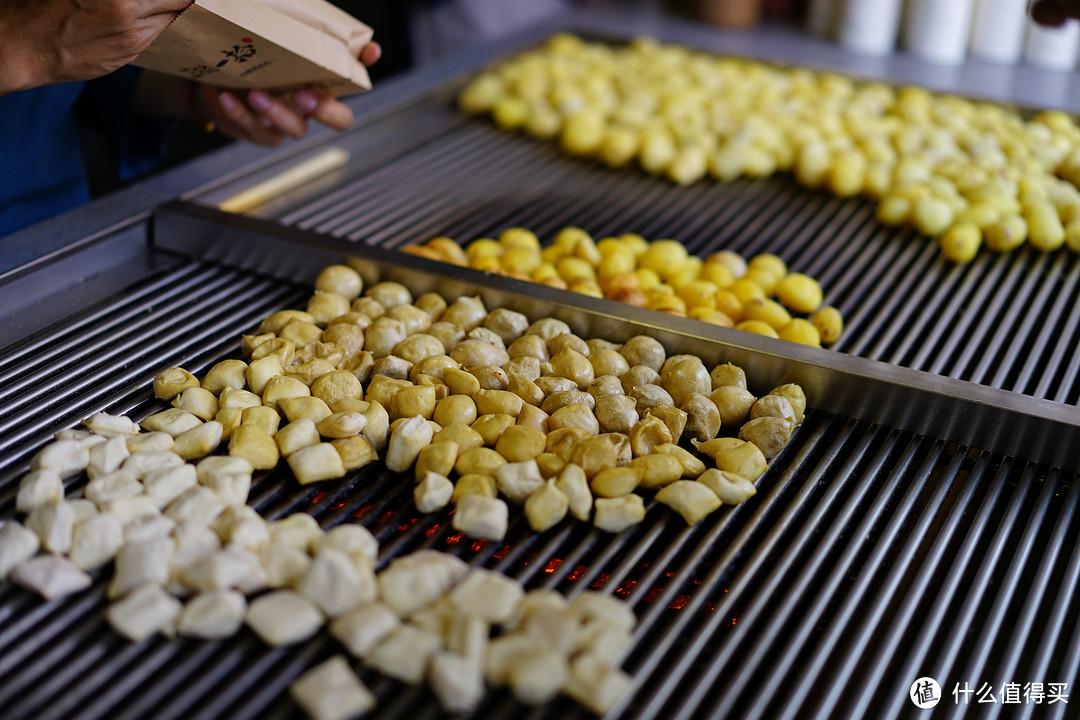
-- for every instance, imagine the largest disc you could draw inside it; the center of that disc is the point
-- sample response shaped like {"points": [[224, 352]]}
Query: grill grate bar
{"points": [[887, 649], [401, 193], [313, 213], [42, 348], [457, 198], [106, 345], [772, 628], [129, 364], [742, 584], [1037, 291], [857, 600], [1059, 361], [993, 525], [1016, 283], [886, 504], [1025, 635]]}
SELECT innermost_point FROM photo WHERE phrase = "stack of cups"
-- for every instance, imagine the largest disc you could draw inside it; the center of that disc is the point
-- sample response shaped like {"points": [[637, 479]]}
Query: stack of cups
{"points": [[997, 30], [937, 30], [869, 27], [1052, 48]]}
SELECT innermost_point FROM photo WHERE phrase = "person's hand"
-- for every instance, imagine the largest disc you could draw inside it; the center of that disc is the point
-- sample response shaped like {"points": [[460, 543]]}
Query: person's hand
{"points": [[260, 117], [1054, 13], [52, 41]]}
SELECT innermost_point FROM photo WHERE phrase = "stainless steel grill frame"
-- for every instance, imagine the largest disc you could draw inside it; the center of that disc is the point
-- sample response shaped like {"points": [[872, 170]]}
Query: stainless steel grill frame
{"points": [[905, 532]]}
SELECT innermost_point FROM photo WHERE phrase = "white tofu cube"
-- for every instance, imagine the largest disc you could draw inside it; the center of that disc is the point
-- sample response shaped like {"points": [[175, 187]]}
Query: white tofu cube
{"points": [[433, 492], [147, 527], [197, 505], [335, 582], [504, 653], [332, 691], [412, 581], [140, 464], [96, 541], [108, 457], [54, 525], [164, 486], [596, 685], [114, 485], [557, 628], [130, 509], [37, 488], [232, 489], [242, 526], [50, 576], [144, 563], [213, 614], [595, 606], [231, 567], [299, 530], [467, 635], [83, 508], [142, 613], [173, 421], [194, 543], [222, 465], [355, 540], [482, 517], [404, 654], [17, 545], [360, 630], [285, 565], [111, 425], [491, 595], [283, 617], [458, 683], [149, 442], [64, 457], [517, 481], [603, 641], [537, 677]]}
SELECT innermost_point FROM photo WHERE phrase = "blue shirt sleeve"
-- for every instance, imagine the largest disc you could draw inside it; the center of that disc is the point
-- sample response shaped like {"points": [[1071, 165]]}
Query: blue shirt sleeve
{"points": [[139, 141], [42, 170]]}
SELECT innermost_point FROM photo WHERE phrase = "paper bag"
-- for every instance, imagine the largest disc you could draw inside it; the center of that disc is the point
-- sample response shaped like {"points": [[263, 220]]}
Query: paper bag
{"points": [[278, 45]]}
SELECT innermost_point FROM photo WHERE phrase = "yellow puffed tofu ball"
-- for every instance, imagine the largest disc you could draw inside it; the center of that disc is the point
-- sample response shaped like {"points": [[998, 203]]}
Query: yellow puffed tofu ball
{"points": [[510, 112], [799, 293], [745, 290], [767, 311], [893, 210], [519, 237], [583, 133], [758, 328], [932, 215], [1006, 234], [662, 256], [1045, 231], [800, 331], [619, 146], [829, 323], [960, 243]]}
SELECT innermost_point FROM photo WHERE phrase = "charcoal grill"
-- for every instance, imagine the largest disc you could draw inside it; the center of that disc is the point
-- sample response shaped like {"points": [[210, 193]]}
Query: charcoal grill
{"points": [[923, 521]]}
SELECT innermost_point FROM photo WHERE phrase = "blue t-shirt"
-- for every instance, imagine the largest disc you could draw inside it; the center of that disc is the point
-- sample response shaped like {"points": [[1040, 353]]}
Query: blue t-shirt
{"points": [[42, 171]]}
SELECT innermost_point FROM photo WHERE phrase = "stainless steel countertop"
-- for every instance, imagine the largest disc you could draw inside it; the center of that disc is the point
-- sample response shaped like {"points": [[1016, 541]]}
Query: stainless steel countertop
{"points": [[1021, 85]]}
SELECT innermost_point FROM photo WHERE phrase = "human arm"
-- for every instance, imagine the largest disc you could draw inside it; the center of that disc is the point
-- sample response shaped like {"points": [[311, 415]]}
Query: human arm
{"points": [[51, 41]]}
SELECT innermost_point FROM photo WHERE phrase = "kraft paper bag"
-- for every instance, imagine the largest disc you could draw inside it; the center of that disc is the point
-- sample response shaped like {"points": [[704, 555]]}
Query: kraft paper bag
{"points": [[279, 45]]}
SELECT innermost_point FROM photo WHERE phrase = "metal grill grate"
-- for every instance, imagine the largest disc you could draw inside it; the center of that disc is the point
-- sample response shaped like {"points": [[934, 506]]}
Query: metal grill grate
{"points": [[1002, 321], [866, 555], [870, 556]]}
